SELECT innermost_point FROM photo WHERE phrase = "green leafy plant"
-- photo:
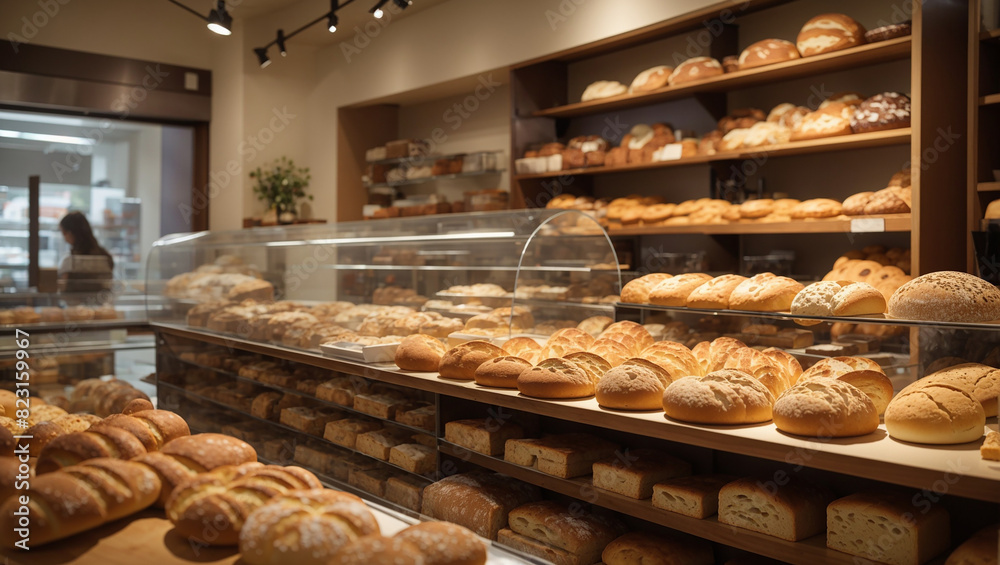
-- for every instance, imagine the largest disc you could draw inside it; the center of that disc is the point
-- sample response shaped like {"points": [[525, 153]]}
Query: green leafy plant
{"points": [[281, 185]]}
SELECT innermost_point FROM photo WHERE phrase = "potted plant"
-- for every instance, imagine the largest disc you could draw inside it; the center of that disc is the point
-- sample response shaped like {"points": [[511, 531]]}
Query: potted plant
{"points": [[280, 186]]}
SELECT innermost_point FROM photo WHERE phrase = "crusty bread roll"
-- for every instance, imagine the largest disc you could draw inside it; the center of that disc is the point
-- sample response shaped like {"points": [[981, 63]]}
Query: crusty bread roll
{"points": [[675, 290], [935, 414], [594, 365], [79, 497], [981, 381], [814, 300], [721, 397], [603, 89], [478, 501], [832, 121], [789, 511], [636, 384], [581, 533], [442, 543], [765, 292], [611, 351], [462, 361], [525, 348], [44, 432], [825, 408], [223, 499], [715, 293], [100, 440], [594, 325], [307, 527], [712, 356], [946, 296], [153, 428], [787, 362], [555, 378], [419, 352], [764, 368], [695, 69], [501, 372], [857, 299], [640, 335], [980, 549], [674, 358], [860, 524], [373, 549], [650, 79], [829, 32], [566, 341], [767, 52], [646, 548]]}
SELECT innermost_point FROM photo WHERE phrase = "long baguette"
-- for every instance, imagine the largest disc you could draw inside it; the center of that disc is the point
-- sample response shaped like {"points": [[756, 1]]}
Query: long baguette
{"points": [[180, 460], [76, 499]]}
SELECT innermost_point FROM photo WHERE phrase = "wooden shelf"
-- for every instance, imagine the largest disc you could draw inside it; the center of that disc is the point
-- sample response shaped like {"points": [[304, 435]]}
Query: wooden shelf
{"points": [[875, 456], [989, 100], [893, 223], [871, 54], [841, 143], [988, 187], [806, 552], [990, 35]]}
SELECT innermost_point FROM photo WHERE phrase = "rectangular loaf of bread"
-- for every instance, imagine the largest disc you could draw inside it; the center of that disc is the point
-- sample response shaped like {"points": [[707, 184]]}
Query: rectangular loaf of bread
{"points": [[341, 467], [565, 456], [790, 512], [370, 480], [579, 532], [406, 491], [313, 458], [279, 450], [887, 527], [544, 551], [381, 405], [478, 501], [695, 496], [378, 443], [486, 436], [634, 472], [341, 390], [308, 419], [345, 432], [414, 457], [419, 415]]}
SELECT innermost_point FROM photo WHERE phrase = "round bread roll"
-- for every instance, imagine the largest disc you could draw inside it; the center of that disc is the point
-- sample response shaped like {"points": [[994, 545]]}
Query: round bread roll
{"points": [[501, 372], [762, 367], [715, 293], [675, 290], [637, 290], [721, 397], [765, 292], [636, 384], [832, 121], [594, 365], [876, 386], [525, 348], [650, 79], [695, 69], [595, 325], [854, 205], [137, 405], [420, 352], [946, 296], [461, 362], [787, 362], [627, 327], [857, 299], [939, 414], [443, 543], [981, 381], [566, 341], [603, 89], [815, 300], [757, 208], [375, 549], [674, 358], [611, 351], [829, 32], [767, 52], [712, 356], [816, 208], [825, 408], [555, 378]]}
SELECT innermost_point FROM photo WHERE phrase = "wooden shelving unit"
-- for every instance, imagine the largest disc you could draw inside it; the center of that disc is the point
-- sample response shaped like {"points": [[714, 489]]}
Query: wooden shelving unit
{"points": [[871, 54], [990, 35], [806, 552], [875, 456], [988, 187], [989, 100], [982, 144], [891, 223]]}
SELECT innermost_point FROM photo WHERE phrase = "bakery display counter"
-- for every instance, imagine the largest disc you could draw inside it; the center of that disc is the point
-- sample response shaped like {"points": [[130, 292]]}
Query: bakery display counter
{"points": [[869, 54], [874, 456], [899, 136], [840, 224]]}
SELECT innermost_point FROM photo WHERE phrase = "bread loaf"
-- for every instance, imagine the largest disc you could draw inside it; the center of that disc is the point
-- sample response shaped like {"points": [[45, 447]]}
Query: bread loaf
{"points": [[675, 290], [524, 347], [441, 543], [308, 527], [414, 457], [650, 79], [100, 440], [501, 372], [478, 501], [825, 408], [762, 367], [181, 459], [887, 527], [647, 548], [80, 497], [221, 501], [486, 436], [345, 432], [980, 381], [946, 296], [583, 535], [565, 456], [765, 292], [419, 352], [829, 32], [555, 378], [696, 496], [634, 472], [980, 549], [637, 290], [990, 449], [727, 396], [462, 361], [44, 432], [715, 293], [636, 384], [935, 414], [767, 52], [603, 89], [375, 549], [406, 491], [888, 110], [790, 512], [695, 69]]}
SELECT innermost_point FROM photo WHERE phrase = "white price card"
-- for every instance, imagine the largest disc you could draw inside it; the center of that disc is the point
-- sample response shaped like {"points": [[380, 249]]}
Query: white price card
{"points": [[867, 225], [669, 152]]}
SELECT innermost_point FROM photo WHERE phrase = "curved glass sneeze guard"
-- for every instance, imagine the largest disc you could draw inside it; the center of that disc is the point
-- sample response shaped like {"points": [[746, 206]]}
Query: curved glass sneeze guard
{"points": [[458, 266]]}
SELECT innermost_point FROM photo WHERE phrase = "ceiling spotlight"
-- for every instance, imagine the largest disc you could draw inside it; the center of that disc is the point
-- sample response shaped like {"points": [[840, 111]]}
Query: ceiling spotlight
{"points": [[332, 21], [281, 43], [403, 4], [262, 57], [377, 9], [219, 20]]}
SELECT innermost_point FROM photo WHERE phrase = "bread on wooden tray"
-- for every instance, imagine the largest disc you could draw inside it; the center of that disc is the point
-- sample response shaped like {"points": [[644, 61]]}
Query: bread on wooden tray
{"points": [[479, 501], [181, 459], [791, 512]]}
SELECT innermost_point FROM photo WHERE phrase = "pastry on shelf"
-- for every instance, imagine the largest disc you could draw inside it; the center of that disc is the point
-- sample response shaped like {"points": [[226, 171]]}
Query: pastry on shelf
{"points": [[826, 33]]}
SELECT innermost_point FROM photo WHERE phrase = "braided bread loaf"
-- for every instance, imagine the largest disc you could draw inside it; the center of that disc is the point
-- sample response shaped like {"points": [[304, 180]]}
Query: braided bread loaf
{"points": [[178, 461], [44, 432], [306, 528], [118, 436], [212, 507], [79, 498]]}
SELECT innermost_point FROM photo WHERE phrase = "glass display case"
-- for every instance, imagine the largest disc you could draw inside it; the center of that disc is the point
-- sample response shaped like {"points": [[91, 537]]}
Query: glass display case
{"points": [[283, 336]]}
